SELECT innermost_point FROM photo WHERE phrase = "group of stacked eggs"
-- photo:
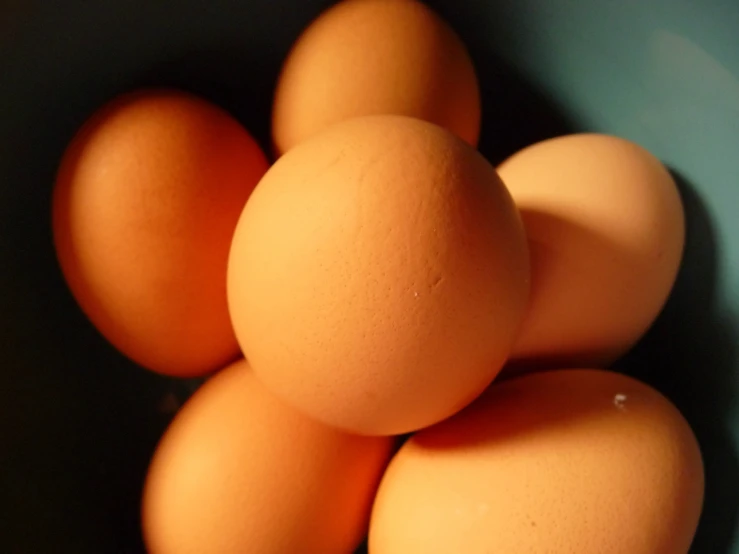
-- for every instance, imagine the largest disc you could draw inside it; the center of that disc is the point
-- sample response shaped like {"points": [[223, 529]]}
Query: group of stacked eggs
{"points": [[377, 278]]}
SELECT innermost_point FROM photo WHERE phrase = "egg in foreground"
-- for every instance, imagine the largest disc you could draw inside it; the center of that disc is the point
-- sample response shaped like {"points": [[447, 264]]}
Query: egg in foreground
{"points": [[239, 472], [558, 462], [378, 275]]}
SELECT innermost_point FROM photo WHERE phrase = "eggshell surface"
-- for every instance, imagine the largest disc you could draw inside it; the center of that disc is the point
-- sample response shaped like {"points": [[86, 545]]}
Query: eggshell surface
{"points": [[557, 462], [606, 231], [146, 201], [365, 57], [378, 275], [239, 472]]}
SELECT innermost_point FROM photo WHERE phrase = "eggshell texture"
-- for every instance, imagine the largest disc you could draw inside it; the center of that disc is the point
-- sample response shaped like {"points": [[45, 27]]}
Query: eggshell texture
{"points": [[378, 275], [146, 201], [606, 231], [365, 57], [239, 472], [557, 462]]}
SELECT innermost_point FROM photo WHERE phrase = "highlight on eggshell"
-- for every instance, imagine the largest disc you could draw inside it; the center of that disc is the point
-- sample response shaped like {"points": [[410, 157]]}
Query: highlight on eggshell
{"points": [[378, 275], [366, 57], [606, 231], [559, 462], [238, 471], [144, 208]]}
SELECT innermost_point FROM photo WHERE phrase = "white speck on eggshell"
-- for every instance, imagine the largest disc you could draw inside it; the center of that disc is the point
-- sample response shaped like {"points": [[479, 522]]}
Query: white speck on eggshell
{"points": [[620, 401]]}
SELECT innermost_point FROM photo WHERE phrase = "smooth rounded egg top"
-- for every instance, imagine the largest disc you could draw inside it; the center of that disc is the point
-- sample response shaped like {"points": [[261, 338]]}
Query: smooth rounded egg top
{"points": [[239, 472], [146, 201], [606, 230], [566, 461], [378, 275], [365, 57]]}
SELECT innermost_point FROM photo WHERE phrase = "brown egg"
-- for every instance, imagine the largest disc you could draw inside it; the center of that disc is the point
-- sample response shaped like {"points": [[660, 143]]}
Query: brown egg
{"points": [[378, 275], [239, 472], [573, 461], [145, 205], [365, 57], [606, 231]]}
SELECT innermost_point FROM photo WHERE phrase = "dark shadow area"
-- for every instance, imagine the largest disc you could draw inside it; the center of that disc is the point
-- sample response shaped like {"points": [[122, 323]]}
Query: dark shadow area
{"points": [[514, 113], [230, 77], [79, 421], [238, 78], [690, 355]]}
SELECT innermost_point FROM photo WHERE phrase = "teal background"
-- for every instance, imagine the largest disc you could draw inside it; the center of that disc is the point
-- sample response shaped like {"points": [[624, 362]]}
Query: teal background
{"points": [[78, 422]]}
